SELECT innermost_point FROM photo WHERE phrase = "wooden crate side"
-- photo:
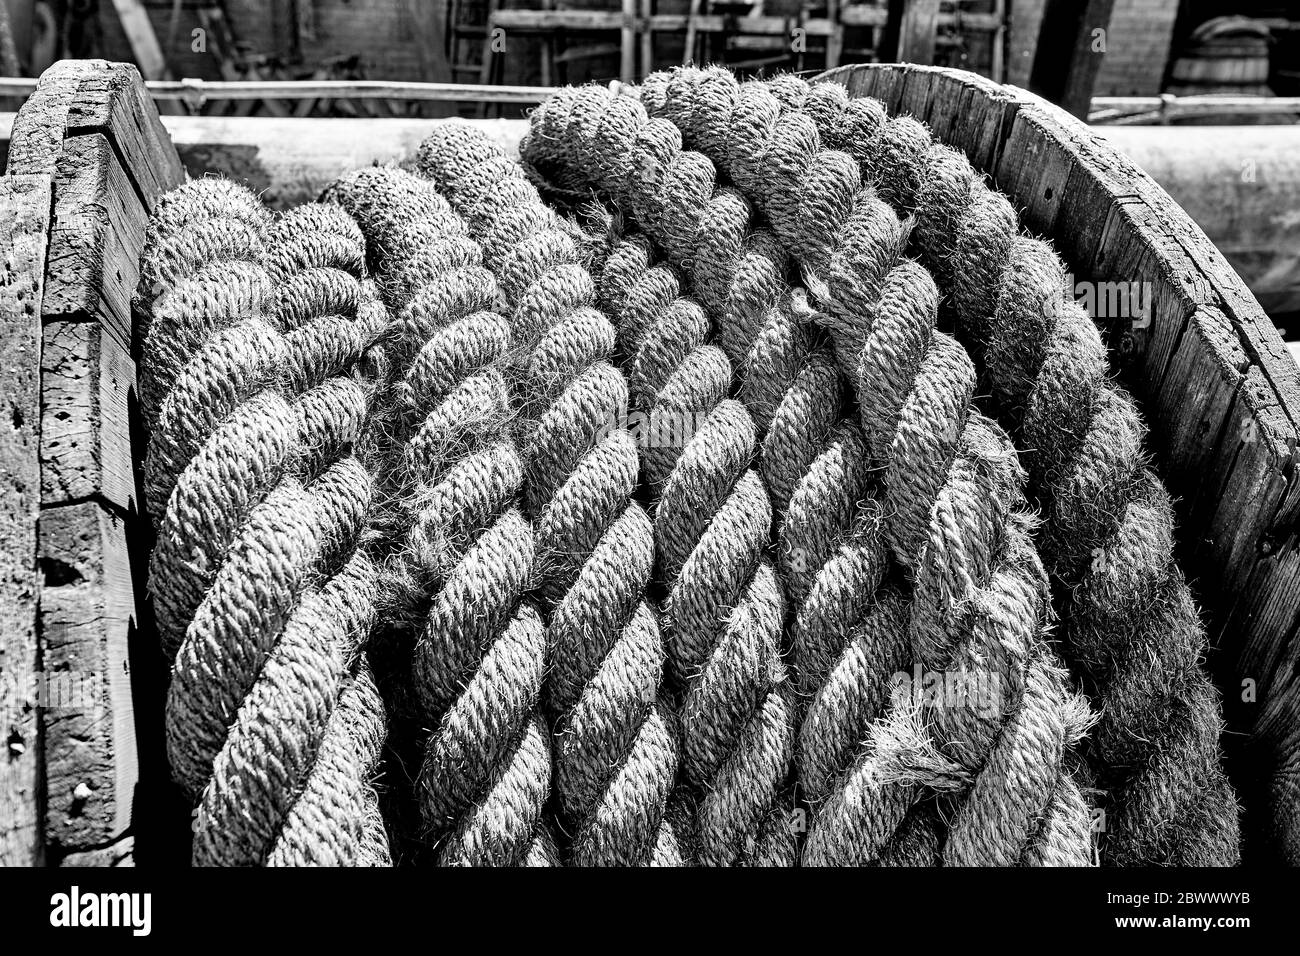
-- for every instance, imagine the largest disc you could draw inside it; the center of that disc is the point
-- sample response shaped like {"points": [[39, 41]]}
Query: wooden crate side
{"points": [[24, 225], [85, 96], [113, 100], [92, 130]]}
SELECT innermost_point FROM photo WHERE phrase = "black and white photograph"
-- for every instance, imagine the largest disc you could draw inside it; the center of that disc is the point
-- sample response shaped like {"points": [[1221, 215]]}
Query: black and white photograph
{"points": [[622, 434]]}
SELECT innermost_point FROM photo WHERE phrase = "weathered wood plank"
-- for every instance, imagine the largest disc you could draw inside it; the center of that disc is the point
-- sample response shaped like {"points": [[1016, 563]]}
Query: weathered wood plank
{"points": [[87, 377], [97, 139], [96, 238], [1034, 170], [87, 612], [24, 223], [37, 139], [916, 31], [84, 96], [114, 101]]}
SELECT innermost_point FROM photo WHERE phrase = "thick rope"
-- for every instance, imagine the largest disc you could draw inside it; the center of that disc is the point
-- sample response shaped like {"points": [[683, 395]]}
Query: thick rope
{"points": [[1129, 622], [617, 753], [259, 668], [457, 551], [951, 481], [813, 461]]}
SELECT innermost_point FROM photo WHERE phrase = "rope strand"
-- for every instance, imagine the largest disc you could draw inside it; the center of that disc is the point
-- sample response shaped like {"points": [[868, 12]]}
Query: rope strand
{"points": [[1128, 618], [617, 752], [256, 678], [455, 550], [936, 454]]}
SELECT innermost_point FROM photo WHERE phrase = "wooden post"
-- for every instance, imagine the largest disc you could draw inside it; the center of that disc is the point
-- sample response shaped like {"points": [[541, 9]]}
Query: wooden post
{"points": [[627, 43], [835, 35], [688, 50], [144, 42], [1071, 43], [916, 31], [646, 29]]}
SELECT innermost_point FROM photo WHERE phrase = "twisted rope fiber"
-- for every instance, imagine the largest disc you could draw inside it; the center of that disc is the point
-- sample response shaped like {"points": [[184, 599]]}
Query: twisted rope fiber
{"points": [[617, 752], [948, 515], [813, 461], [277, 598], [1129, 621], [459, 553], [814, 204], [815, 464], [852, 838]]}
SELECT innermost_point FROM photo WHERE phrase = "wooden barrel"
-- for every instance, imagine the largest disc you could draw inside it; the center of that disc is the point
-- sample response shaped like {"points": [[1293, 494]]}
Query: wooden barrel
{"points": [[1220, 391], [1225, 55], [89, 158]]}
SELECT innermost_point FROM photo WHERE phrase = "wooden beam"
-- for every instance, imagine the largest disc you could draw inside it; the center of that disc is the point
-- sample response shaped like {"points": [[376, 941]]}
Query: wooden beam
{"points": [[1071, 44], [627, 41], [144, 42], [92, 132], [916, 31], [10, 64], [198, 91]]}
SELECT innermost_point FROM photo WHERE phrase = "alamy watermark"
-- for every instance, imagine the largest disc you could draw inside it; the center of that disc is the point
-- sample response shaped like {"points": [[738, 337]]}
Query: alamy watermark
{"points": [[50, 691], [981, 691], [1111, 300], [76, 908], [659, 428]]}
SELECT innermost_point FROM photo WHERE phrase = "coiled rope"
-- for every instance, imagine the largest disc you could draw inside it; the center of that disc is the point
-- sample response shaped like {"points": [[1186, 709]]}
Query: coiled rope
{"points": [[710, 523], [814, 463], [274, 725], [1128, 618], [952, 482], [813, 459], [456, 550]]}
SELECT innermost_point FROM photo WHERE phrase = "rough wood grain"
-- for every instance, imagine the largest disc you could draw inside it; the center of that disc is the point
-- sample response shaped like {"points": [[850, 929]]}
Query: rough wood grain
{"points": [[916, 30], [24, 220], [96, 238], [83, 96], [87, 378], [87, 612]]}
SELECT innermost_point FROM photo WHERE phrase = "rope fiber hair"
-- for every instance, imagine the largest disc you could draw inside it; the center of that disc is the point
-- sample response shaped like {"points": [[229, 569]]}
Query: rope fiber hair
{"points": [[1129, 622], [951, 482], [736, 733], [273, 725], [456, 551]]}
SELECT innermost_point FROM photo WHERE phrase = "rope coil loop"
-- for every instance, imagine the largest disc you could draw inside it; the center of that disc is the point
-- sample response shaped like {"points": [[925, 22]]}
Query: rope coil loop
{"points": [[261, 595], [926, 452], [616, 746], [457, 553], [1129, 622]]}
